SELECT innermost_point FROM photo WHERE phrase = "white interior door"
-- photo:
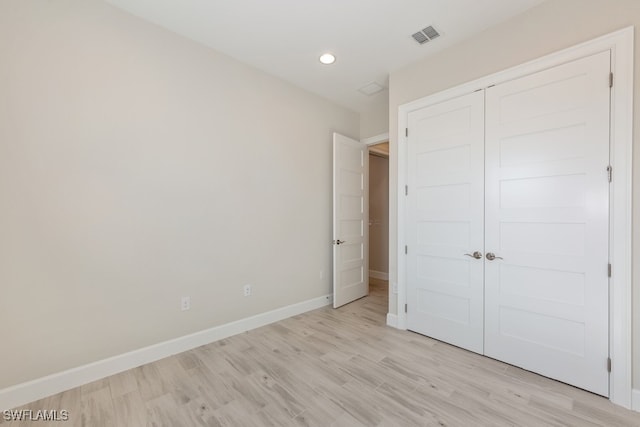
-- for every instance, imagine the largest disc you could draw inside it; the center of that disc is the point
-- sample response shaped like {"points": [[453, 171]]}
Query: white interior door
{"points": [[350, 220], [445, 204], [547, 204]]}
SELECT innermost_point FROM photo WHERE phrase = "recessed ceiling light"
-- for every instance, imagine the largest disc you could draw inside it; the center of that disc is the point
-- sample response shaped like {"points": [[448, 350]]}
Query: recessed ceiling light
{"points": [[327, 58]]}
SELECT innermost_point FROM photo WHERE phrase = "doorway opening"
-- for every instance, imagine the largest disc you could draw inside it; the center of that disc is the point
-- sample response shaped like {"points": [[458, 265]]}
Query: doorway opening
{"points": [[379, 221]]}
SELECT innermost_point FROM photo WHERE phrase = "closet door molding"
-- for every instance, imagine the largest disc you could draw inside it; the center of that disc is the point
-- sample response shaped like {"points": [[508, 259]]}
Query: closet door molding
{"points": [[620, 45]]}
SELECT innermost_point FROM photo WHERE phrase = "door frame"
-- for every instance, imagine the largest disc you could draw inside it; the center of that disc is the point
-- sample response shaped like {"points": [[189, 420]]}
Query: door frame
{"points": [[377, 139], [621, 45], [373, 140]]}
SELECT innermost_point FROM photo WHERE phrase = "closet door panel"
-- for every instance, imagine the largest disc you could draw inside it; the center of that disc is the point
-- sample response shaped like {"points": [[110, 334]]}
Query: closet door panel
{"points": [[547, 204], [445, 221]]}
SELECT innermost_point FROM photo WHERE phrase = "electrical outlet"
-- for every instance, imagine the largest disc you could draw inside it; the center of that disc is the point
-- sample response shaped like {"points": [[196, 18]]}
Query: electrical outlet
{"points": [[247, 290], [186, 303], [321, 274], [394, 288]]}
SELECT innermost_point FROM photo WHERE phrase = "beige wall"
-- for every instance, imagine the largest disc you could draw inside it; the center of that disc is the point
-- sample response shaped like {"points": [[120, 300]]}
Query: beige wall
{"points": [[375, 120], [137, 167], [378, 214], [552, 26]]}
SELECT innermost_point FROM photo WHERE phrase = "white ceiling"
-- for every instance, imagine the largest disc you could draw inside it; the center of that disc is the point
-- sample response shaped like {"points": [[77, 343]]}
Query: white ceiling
{"points": [[370, 38]]}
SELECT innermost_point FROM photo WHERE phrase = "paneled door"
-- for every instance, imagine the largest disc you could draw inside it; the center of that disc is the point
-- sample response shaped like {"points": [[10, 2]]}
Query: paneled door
{"points": [[350, 220], [547, 204], [445, 223]]}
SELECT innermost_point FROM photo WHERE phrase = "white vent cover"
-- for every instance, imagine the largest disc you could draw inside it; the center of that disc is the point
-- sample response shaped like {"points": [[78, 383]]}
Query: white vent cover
{"points": [[426, 35], [371, 89]]}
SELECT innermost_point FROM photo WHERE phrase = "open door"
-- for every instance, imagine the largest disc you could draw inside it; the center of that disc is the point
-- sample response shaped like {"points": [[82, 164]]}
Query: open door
{"points": [[350, 220]]}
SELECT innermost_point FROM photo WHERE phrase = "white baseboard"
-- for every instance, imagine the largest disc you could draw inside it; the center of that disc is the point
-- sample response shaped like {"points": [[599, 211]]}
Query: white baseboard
{"points": [[30, 391], [635, 400], [378, 275], [392, 320]]}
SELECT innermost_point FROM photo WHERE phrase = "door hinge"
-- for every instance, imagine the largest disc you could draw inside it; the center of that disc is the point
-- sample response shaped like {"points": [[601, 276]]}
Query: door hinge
{"points": [[610, 79], [406, 132], [610, 172], [406, 190], [608, 364], [406, 249], [405, 308], [609, 270]]}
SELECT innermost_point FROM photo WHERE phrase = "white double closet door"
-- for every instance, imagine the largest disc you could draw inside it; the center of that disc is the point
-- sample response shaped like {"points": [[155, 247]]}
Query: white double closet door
{"points": [[516, 175]]}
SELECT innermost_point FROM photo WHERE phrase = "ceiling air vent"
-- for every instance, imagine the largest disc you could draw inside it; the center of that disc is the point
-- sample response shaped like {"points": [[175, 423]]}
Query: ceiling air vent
{"points": [[371, 89], [426, 35]]}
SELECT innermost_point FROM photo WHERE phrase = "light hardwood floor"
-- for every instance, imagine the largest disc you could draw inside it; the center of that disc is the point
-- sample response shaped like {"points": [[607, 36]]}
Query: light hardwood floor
{"points": [[331, 367]]}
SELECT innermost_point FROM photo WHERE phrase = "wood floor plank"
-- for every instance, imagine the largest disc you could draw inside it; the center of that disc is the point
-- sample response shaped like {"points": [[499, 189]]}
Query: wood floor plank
{"points": [[149, 381], [122, 383], [163, 411], [346, 420], [129, 410], [209, 384], [355, 399], [277, 395], [320, 411], [234, 414], [97, 406]]}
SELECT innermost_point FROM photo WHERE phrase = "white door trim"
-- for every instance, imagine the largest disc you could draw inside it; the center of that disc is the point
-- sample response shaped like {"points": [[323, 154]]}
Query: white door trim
{"points": [[377, 139], [620, 43]]}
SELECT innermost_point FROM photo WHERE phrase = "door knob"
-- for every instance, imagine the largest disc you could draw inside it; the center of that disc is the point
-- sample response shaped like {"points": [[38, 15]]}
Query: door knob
{"points": [[491, 256], [339, 242], [476, 255]]}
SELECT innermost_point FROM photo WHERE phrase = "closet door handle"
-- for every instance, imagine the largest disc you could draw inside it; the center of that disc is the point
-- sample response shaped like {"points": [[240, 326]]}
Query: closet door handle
{"points": [[476, 255], [491, 256]]}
